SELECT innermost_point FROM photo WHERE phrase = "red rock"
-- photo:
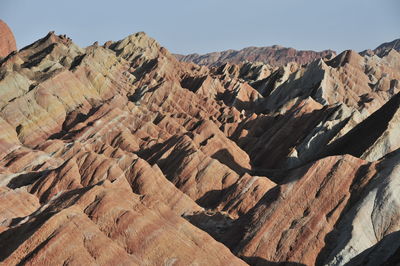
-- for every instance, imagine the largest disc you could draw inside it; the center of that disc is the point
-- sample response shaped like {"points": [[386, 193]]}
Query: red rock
{"points": [[291, 222], [7, 40], [106, 224], [121, 154]]}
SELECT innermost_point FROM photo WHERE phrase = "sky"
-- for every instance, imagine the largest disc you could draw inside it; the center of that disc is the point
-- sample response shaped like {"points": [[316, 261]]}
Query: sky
{"points": [[201, 26]]}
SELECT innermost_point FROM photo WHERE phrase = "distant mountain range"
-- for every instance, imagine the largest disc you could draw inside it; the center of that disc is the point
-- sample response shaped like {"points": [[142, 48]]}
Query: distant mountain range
{"points": [[275, 55]]}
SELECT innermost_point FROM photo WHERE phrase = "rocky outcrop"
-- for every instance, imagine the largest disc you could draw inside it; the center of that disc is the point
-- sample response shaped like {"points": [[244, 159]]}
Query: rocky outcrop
{"points": [[360, 83], [323, 228], [7, 40], [121, 154], [285, 222], [370, 218], [374, 137]]}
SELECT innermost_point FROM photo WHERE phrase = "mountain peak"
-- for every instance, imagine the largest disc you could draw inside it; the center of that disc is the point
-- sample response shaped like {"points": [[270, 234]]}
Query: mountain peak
{"points": [[345, 57], [137, 44]]}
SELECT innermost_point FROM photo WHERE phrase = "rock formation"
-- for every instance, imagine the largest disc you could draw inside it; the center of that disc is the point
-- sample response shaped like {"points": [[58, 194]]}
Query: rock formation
{"points": [[7, 40], [121, 154]]}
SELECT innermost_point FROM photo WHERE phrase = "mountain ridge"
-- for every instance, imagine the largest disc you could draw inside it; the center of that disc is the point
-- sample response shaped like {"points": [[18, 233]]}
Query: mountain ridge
{"points": [[274, 55], [383, 48]]}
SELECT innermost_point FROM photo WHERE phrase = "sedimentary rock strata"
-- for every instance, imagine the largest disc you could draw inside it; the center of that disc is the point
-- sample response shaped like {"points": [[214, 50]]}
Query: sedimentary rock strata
{"points": [[121, 154]]}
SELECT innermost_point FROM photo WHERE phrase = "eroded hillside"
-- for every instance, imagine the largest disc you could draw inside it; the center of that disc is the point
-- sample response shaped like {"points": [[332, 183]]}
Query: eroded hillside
{"points": [[121, 154]]}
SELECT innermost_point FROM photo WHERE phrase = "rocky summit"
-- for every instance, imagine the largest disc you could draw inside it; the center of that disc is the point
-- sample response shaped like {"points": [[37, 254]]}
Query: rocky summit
{"points": [[119, 154]]}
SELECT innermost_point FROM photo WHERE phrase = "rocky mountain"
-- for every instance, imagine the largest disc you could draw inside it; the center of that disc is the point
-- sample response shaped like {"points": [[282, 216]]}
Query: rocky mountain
{"points": [[7, 40], [273, 55], [121, 154], [383, 48]]}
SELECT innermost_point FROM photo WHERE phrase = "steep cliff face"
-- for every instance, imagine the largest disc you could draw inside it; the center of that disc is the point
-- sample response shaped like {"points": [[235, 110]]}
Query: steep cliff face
{"points": [[121, 154]]}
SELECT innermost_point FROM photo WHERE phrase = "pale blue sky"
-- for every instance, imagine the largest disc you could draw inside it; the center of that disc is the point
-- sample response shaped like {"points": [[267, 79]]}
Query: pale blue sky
{"points": [[186, 26]]}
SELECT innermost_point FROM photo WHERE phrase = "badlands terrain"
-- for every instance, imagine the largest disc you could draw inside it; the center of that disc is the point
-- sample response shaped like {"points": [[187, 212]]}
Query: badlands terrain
{"points": [[120, 154]]}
